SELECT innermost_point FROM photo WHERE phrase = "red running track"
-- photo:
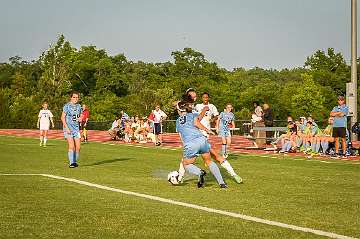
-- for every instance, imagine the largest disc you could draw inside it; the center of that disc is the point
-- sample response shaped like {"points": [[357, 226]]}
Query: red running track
{"points": [[239, 143]]}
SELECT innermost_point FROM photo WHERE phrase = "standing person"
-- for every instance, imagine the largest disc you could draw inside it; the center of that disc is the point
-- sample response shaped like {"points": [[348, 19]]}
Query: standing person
{"points": [[257, 109], [84, 121], [71, 117], [43, 123], [195, 143], [211, 114], [269, 122], [340, 113], [225, 120], [159, 117]]}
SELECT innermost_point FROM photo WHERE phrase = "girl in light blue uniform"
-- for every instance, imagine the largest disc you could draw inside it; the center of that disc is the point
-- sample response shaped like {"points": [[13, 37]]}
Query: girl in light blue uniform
{"points": [[195, 143], [225, 120], [71, 117]]}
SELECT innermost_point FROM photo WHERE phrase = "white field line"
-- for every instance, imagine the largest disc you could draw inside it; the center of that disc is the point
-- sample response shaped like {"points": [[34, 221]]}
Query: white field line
{"points": [[206, 209]]}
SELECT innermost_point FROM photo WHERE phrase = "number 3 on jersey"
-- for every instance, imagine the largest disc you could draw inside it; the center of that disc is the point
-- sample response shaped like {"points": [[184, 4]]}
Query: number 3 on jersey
{"points": [[182, 119]]}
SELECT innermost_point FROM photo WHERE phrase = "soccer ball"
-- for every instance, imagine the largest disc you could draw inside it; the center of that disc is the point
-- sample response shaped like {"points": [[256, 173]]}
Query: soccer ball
{"points": [[173, 178]]}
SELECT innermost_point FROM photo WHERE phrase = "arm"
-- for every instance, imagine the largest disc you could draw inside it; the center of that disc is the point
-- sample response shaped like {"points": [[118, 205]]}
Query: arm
{"points": [[203, 112], [233, 124], [52, 122], [336, 114], [38, 123], [217, 124], [63, 120], [202, 127]]}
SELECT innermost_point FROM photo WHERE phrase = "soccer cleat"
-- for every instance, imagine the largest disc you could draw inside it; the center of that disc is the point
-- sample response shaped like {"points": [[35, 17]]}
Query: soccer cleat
{"points": [[223, 185], [201, 179], [72, 165], [237, 179], [44, 145], [76, 165]]}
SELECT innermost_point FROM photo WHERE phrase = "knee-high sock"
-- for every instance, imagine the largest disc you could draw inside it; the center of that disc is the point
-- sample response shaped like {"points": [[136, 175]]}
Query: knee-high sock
{"points": [[41, 139], [325, 146], [226, 165], [216, 172], [317, 147], [286, 146], [45, 140], [313, 147], [76, 155], [298, 142], [223, 148], [71, 157], [181, 170], [191, 168]]}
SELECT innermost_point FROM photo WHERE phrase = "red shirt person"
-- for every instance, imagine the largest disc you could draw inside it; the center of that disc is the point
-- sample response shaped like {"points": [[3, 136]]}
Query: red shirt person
{"points": [[84, 122]]}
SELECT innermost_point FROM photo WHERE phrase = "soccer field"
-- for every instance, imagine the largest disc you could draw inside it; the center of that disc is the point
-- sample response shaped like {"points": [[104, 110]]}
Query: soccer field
{"points": [[301, 192]]}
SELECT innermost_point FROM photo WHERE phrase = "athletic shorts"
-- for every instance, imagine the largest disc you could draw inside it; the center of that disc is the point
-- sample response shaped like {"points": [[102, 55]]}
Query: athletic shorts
{"points": [[196, 147], [75, 134], [44, 126], [157, 128], [224, 133], [339, 132]]}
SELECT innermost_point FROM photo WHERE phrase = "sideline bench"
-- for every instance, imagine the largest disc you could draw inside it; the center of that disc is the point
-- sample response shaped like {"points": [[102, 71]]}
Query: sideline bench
{"points": [[258, 129]]}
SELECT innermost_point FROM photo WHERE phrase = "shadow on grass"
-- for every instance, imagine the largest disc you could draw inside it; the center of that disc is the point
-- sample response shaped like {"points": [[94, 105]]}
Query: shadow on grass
{"points": [[108, 161]]}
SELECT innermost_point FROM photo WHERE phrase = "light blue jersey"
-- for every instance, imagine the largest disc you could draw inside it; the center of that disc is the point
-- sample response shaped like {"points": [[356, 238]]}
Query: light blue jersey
{"points": [[194, 142], [72, 114], [340, 121], [225, 119], [186, 127]]}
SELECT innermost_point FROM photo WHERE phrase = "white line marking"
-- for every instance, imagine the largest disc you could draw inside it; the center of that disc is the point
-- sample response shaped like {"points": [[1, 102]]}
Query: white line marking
{"points": [[206, 209]]}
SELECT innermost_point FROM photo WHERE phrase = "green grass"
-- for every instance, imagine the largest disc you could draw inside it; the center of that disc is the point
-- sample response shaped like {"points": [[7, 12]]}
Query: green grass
{"points": [[308, 193]]}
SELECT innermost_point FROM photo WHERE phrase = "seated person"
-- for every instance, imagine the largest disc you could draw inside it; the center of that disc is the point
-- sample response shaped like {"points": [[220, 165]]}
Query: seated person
{"points": [[115, 127], [311, 137], [141, 131], [289, 140], [326, 136], [128, 132], [285, 136]]}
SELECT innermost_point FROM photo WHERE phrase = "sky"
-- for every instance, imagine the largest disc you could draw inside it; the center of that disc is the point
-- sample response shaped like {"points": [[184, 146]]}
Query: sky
{"points": [[233, 33]]}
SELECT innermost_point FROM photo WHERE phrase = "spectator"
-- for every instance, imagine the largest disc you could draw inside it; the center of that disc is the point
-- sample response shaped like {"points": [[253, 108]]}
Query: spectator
{"points": [[128, 131], [268, 118], [326, 136], [124, 117], [340, 113], [258, 110], [115, 127], [84, 122], [159, 117]]}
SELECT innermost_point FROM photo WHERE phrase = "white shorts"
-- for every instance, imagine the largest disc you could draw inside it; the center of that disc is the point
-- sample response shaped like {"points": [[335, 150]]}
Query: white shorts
{"points": [[44, 126]]}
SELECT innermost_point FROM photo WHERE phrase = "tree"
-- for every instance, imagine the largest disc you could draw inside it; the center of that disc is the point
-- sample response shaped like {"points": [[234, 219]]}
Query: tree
{"points": [[308, 99], [329, 69]]}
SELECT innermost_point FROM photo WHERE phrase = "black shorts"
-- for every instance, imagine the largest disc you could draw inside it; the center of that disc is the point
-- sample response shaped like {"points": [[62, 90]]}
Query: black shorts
{"points": [[339, 132], [157, 128]]}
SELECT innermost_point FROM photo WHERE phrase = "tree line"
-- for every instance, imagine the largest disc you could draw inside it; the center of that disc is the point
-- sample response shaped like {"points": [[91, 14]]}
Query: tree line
{"points": [[109, 84]]}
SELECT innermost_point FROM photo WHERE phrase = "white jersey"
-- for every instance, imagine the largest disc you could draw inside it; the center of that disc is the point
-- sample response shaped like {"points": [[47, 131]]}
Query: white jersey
{"points": [[206, 120], [45, 116], [158, 115]]}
